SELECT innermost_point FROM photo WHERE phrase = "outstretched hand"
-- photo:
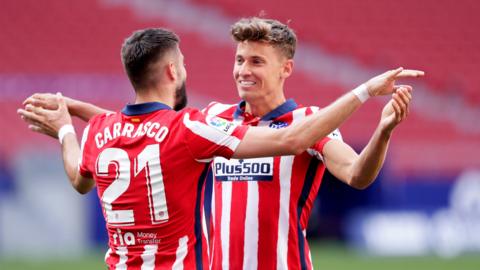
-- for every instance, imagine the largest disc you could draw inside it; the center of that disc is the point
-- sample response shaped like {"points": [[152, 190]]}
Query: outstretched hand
{"points": [[384, 84], [397, 109], [46, 114], [45, 100]]}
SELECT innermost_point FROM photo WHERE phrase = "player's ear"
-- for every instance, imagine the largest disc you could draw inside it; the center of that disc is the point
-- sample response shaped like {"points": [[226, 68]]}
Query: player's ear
{"points": [[287, 68], [172, 72]]}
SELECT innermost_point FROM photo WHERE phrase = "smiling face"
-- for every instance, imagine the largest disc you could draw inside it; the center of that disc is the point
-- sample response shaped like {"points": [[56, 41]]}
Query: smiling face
{"points": [[259, 71]]}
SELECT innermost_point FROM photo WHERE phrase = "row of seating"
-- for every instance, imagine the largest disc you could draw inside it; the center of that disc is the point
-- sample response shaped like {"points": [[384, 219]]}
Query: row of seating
{"points": [[84, 37]]}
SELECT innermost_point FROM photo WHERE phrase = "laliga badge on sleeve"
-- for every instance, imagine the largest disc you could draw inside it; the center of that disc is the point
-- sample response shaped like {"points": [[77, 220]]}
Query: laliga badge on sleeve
{"points": [[221, 124]]}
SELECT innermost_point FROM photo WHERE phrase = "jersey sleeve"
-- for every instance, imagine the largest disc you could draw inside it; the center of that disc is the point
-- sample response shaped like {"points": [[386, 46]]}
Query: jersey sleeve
{"points": [[84, 155], [317, 149], [207, 136]]}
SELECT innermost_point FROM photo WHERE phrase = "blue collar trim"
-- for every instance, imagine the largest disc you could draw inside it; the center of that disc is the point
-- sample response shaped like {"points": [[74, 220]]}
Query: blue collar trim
{"points": [[286, 107], [144, 108]]}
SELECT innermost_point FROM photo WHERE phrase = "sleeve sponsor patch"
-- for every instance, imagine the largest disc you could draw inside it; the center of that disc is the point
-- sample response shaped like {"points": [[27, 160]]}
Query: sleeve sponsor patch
{"points": [[221, 124], [336, 135]]}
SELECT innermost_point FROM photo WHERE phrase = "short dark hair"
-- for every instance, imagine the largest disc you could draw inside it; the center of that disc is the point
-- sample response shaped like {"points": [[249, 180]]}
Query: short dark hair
{"points": [[269, 31], [143, 49]]}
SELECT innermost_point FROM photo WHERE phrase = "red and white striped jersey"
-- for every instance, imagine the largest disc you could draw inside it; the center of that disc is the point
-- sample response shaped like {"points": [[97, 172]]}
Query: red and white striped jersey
{"points": [[261, 206], [149, 164]]}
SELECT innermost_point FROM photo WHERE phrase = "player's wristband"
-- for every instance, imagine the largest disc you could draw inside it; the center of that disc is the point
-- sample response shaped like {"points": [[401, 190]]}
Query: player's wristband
{"points": [[361, 92], [64, 130]]}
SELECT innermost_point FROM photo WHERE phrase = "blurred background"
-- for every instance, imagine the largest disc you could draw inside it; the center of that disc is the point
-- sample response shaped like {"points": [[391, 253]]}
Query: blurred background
{"points": [[423, 211]]}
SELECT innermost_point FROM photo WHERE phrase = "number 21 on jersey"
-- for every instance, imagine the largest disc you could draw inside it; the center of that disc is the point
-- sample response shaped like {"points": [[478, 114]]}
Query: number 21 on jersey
{"points": [[148, 160]]}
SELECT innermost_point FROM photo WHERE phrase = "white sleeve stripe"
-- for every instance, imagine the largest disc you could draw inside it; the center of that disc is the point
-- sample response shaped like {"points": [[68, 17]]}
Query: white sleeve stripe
{"points": [[212, 134], [218, 108], [82, 144]]}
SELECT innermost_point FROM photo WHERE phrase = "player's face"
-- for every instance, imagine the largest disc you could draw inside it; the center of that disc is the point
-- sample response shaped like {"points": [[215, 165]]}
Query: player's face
{"points": [[259, 71], [181, 90]]}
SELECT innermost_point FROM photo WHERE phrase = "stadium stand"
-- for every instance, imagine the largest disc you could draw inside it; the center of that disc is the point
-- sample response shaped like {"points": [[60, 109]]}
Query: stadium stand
{"points": [[83, 38]]}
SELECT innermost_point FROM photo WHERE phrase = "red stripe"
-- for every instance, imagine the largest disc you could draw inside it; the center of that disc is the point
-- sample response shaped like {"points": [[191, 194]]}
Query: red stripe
{"points": [[268, 204], [216, 230]]}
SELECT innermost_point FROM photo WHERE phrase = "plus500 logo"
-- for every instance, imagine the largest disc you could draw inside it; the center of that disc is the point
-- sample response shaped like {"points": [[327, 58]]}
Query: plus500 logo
{"points": [[259, 169]]}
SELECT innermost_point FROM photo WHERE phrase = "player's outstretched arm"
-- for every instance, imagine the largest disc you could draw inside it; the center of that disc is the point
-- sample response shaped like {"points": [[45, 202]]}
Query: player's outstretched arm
{"points": [[360, 171], [80, 109], [50, 122], [302, 134]]}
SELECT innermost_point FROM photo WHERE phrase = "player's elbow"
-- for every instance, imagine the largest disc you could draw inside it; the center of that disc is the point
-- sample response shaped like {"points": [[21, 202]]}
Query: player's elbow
{"points": [[360, 183], [83, 185], [82, 191]]}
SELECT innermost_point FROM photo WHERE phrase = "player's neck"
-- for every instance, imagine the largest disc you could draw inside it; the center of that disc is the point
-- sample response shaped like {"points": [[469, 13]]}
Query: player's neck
{"points": [[264, 105], [155, 96]]}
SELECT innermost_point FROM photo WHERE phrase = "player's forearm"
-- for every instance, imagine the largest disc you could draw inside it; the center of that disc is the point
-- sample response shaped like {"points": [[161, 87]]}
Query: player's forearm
{"points": [[84, 110], [296, 138], [309, 130], [71, 157], [370, 161]]}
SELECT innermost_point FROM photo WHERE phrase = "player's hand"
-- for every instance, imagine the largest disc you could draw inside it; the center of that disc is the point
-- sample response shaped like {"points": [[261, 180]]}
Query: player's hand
{"points": [[397, 109], [46, 121], [44, 100], [384, 84]]}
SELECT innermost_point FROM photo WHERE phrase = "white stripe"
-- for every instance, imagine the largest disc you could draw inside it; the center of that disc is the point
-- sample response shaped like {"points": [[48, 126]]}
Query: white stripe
{"points": [[212, 220], [148, 257], [204, 230], [182, 251], [218, 108], [107, 254], [225, 223], [250, 248], [286, 163], [122, 262], [82, 144], [210, 133]]}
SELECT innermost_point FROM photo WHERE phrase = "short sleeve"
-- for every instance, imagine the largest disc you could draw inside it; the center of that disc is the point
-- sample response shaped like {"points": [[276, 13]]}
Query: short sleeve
{"points": [[210, 136], [84, 154], [317, 149]]}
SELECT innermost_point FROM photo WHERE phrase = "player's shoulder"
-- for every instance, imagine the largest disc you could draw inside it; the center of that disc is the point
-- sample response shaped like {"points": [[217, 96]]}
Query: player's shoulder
{"points": [[102, 118], [217, 108]]}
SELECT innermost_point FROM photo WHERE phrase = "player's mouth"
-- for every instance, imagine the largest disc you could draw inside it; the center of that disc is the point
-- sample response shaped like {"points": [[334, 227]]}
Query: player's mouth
{"points": [[246, 83]]}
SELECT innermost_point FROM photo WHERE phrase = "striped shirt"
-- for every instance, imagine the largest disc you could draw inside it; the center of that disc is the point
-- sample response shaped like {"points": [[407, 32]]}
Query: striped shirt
{"points": [[260, 207], [149, 164]]}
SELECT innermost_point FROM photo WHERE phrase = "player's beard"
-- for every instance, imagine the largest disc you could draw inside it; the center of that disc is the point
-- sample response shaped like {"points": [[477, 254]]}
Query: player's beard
{"points": [[180, 97]]}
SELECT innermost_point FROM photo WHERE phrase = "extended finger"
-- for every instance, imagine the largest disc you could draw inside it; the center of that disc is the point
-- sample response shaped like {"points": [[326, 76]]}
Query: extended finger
{"points": [[394, 73], [409, 73], [37, 110], [30, 115], [38, 129]]}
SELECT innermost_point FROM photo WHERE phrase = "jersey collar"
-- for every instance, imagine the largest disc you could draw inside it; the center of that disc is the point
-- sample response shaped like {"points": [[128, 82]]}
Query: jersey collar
{"points": [[286, 107], [144, 108]]}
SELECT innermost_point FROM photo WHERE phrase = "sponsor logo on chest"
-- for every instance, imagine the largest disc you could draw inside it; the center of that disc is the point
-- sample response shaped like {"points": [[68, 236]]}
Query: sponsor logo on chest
{"points": [[253, 169]]}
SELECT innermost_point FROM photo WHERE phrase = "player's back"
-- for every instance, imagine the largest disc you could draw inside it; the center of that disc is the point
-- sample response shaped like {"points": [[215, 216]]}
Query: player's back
{"points": [[145, 162]]}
